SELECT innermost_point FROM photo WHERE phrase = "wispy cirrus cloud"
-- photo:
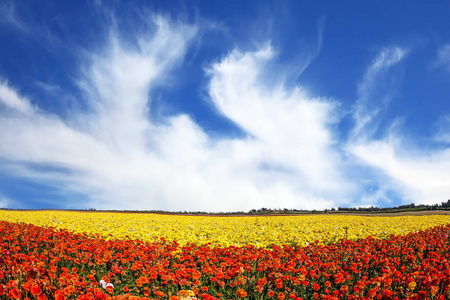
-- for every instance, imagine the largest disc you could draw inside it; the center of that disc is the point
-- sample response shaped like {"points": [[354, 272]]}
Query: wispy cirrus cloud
{"points": [[443, 57], [8, 15], [292, 129], [289, 153], [4, 202], [417, 175], [92, 149], [10, 100], [115, 153], [374, 91], [442, 134]]}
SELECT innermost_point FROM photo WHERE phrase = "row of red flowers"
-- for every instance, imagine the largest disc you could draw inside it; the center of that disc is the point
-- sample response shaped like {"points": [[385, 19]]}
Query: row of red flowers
{"points": [[45, 263]]}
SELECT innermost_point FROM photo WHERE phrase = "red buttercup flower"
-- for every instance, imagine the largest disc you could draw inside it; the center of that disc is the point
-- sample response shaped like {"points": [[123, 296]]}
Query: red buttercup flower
{"points": [[15, 294], [64, 264], [36, 290], [59, 295], [42, 297]]}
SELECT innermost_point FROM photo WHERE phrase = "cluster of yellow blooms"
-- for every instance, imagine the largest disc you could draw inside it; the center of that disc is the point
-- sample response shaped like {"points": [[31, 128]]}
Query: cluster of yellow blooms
{"points": [[260, 231]]}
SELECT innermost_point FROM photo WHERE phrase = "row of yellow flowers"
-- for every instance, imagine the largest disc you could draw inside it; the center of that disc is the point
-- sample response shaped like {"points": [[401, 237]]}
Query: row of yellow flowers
{"points": [[261, 231]]}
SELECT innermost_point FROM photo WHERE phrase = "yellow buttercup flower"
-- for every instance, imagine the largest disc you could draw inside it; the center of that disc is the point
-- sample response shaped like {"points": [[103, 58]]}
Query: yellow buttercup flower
{"points": [[260, 231]]}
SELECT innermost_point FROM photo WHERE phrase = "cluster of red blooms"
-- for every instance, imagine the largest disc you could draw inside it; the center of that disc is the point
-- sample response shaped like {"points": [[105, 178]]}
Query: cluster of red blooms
{"points": [[45, 263]]}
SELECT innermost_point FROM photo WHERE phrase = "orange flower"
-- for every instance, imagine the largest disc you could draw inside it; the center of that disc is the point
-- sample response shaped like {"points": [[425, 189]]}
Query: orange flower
{"points": [[109, 289], [107, 256], [271, 293], [196, 274], [241, 293], [434, 290], [281, 296], [160, 294]]}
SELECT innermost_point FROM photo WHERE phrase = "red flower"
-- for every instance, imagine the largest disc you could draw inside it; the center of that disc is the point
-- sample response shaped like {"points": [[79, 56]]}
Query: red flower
{"points": [[36, 290], [42, 297], [15, 293], [59, 295]]}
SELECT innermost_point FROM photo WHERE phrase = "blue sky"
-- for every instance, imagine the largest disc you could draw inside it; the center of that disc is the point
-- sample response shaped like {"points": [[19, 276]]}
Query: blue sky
{"points": [[224, 105]]}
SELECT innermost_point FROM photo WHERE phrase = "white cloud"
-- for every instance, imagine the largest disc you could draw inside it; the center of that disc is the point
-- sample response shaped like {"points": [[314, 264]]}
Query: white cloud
{"points": [[443, 130], [372, 197], [10, 99], [290, 156], [9, 16], [118, 156], [419, 176], [292, 129], [4, 202], [118, 83], [373, 96], [443, 58]]}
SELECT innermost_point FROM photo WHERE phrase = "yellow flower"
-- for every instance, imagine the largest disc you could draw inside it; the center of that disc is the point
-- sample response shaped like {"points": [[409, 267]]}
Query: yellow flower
{"points": [[186, 294], [261, 231]]}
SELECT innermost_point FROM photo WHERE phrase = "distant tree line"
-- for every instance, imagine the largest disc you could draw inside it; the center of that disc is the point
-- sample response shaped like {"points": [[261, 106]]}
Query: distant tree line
{"points": [[278, 211], [405, 207]]}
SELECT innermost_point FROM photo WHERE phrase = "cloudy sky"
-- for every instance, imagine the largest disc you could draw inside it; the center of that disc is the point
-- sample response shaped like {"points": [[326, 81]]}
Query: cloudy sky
{"points": [[224, 105]]}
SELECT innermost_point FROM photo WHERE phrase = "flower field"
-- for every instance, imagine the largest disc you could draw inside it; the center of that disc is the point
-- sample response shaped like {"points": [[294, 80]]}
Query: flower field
{"points": [[68, 255], [227, 231]]}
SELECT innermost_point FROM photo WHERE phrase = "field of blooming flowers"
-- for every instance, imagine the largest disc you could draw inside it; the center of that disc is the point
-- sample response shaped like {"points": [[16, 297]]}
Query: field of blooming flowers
{"points": [[227, 231], [68, 255]]}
